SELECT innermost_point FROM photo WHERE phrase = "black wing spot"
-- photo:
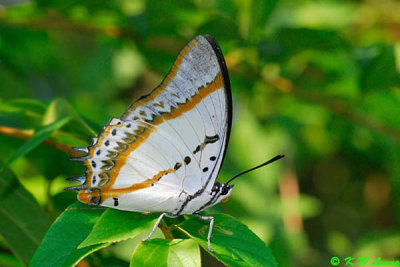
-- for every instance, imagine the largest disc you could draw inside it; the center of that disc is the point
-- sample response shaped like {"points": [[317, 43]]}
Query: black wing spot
{"points": [[98, 152], [115, 201], [114, 132], [211, 139], [205, 169], [177, 166], [128, 125], [94, 179], [213, 158], [93, 164], [197, 149], [207, 140], [187, 160], [107, 143]]}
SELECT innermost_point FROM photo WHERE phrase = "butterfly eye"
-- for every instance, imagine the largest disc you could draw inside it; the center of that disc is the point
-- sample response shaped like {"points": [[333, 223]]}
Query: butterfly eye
{"points": [[216, 187], [225, 190]]}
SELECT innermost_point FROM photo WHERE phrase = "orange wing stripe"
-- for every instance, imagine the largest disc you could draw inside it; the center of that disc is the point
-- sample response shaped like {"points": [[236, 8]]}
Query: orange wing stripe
{"points": [[84, 195]]}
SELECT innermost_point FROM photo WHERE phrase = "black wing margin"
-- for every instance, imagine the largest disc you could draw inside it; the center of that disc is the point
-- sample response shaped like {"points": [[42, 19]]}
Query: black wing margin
{"points": [[227, 87]]}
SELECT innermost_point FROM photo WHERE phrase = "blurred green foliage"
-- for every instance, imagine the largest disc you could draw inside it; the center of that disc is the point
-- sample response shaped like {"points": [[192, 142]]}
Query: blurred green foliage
{"points": [[317, 81]]}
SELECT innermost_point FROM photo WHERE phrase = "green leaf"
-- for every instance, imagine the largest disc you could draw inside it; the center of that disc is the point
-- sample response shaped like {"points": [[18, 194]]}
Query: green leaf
{"points": [[221, 27], [381, 72], [291, 41], [31, 107], [260, 12], [383, 106], [22, 113], [153, 252], [7, 260], [299, 39], [60, 245], [116, 225], [184, 252], [60, 108], [161, 252], [39, 136], [234, 244], [23, 223]]}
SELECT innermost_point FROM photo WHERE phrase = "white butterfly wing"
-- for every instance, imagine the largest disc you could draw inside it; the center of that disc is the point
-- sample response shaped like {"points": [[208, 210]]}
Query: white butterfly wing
{"points": [[168, 147]]}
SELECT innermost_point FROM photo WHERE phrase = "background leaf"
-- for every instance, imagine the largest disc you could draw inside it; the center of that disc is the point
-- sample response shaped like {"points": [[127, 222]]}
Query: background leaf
{"points": [[39, 136], [32, 108], [381, 72], [260, 12], [23, 222], [60, 108]]}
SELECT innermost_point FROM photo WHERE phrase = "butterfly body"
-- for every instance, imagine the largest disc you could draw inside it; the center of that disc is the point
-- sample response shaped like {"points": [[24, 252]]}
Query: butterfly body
{"points": [[165, 152]]}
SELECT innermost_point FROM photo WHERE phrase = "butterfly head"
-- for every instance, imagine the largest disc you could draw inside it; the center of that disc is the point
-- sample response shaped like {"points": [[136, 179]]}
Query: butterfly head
{"points": [[221, 191]]}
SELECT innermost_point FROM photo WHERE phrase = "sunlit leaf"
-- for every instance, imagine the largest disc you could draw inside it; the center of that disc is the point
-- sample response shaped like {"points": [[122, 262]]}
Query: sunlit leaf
{"points": [[184, 253], [154, 252], [22, 113], [30, 106], [60, 108], [161, 252], [116, 225]]}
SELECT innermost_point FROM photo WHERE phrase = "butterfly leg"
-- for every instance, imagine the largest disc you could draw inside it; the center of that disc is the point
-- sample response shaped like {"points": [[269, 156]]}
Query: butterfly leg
{"points": [[211, 219], [155, 226]]}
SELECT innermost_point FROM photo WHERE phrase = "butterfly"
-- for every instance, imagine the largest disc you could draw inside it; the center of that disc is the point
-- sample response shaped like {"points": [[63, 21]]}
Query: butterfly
{"points": [[165, 152]]}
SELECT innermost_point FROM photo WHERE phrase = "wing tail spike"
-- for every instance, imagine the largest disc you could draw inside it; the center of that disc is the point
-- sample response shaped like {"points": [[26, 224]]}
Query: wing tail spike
{"points": [[79, 159], [81, 178], [94, 141], [80, 149], [79, 187]]}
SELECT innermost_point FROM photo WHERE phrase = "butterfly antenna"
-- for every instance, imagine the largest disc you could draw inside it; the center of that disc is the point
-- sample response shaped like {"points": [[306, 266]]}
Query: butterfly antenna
{"points": [[259, 166]]}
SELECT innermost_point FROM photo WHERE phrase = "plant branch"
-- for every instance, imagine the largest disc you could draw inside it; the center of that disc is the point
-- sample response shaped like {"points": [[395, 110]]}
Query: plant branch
{"points": [[28, 134], [165, 231], [55, 21]]}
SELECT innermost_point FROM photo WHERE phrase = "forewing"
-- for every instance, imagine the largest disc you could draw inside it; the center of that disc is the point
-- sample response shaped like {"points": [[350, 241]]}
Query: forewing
{"points": [[192, 110]]}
